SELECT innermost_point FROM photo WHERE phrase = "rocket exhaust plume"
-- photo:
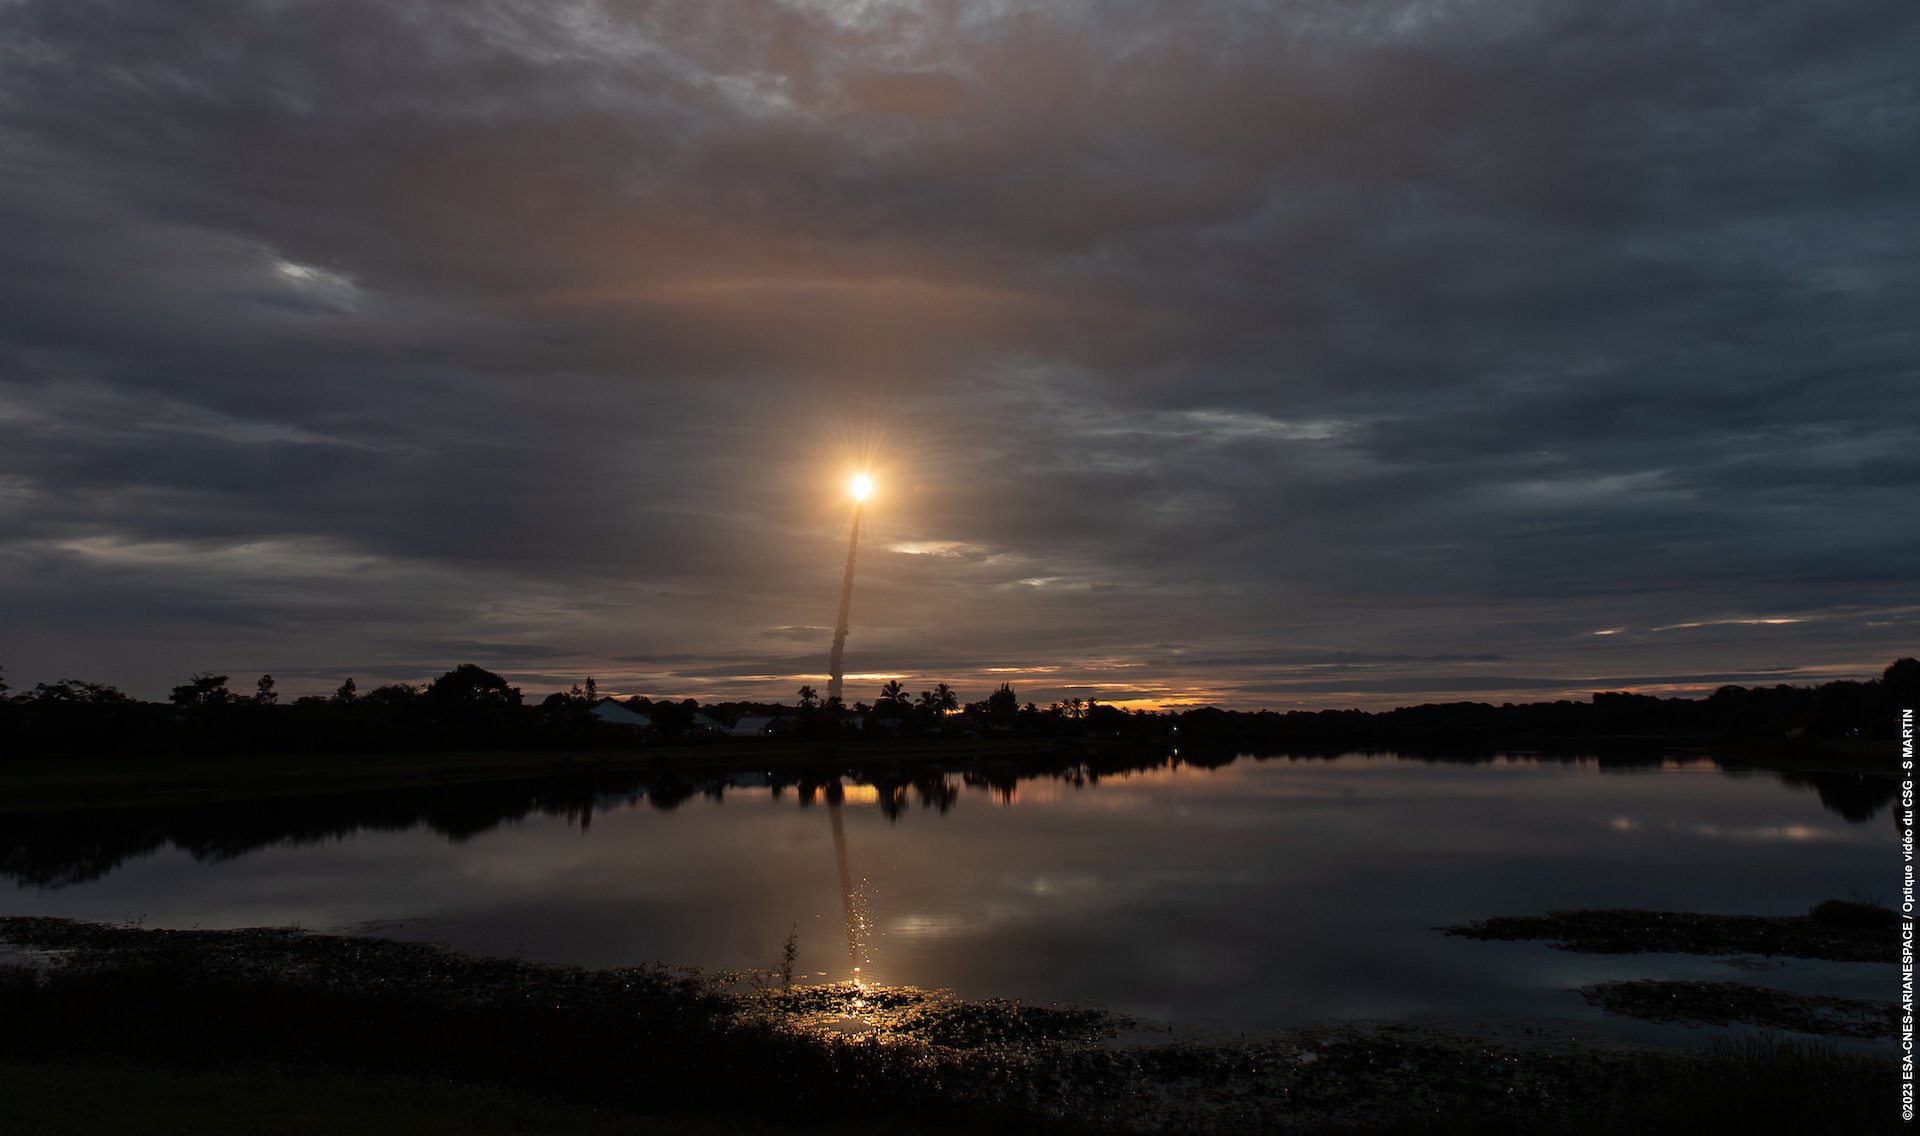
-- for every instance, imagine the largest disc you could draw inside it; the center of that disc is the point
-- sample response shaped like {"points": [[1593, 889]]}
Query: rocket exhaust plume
{"points": [[836, 668]]}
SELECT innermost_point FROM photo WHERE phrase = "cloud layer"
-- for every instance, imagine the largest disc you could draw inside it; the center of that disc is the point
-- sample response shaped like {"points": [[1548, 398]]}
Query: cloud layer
{"points": [[1272, 354]]}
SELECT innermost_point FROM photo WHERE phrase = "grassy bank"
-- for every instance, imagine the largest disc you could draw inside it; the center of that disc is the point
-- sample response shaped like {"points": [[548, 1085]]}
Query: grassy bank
{"points": [[114, 1099], [111, 1099], [267, 1022]]}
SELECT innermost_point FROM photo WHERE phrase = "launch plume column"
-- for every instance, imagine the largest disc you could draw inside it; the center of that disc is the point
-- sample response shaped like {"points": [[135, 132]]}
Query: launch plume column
{"points": [[836, 669]]}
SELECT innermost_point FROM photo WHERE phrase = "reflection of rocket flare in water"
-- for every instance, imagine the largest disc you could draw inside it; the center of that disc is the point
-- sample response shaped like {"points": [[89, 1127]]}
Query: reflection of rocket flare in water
{"points": [[835, 670], [846, 879], [861, 487]]}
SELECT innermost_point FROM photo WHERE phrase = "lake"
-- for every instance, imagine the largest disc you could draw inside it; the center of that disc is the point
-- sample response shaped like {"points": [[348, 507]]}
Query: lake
{"points": [[1249, 895]]}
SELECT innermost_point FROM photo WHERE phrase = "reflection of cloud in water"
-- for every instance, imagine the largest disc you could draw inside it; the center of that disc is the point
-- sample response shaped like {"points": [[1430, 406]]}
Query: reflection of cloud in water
{"points": [[989, 914], [1056, 894], [1787, 832], [1793, 832], [942, 926], [1103, 797], [1058, 886]]}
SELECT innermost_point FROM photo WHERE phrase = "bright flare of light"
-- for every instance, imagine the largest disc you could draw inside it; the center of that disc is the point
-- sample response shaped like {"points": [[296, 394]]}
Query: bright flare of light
{"points": [[861, 486]]}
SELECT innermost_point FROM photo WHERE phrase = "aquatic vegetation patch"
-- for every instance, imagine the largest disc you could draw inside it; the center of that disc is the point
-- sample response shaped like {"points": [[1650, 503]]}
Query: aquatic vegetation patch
{"points": [[1721, 1003], [1835, 930]]}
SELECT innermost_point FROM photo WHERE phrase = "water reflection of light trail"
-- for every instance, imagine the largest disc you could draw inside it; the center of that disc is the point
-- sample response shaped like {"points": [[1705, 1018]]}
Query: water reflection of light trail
{"points": [[834, 797]]}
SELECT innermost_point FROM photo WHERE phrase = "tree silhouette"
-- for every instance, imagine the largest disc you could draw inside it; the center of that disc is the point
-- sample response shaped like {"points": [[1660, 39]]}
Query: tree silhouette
{"points": [[892, 691], [1901, 681], [474, 706], [1106, 719], [204, 689], [394, 694], [1003, 705], [73, 690], [263, 692], [809, 698], [468, 685]]}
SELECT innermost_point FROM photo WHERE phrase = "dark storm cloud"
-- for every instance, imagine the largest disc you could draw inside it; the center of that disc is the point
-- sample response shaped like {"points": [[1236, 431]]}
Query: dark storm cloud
{"points": [[336, 335]]}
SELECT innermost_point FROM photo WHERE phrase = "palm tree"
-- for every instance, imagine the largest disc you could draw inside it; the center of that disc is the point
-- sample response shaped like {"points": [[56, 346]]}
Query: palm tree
{"points": [[893, 691], [945, 701]]}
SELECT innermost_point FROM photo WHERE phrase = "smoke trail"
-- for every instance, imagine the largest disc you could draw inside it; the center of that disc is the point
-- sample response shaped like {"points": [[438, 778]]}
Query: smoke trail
{"points": [[835, 669]]}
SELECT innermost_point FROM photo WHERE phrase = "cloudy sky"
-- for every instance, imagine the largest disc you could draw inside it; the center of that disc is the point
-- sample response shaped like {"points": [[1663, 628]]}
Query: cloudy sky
{"points": [[1303, 353]]}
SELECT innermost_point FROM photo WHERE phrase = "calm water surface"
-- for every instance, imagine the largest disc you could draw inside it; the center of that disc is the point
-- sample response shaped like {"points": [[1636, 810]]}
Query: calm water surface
{"points": [[1263, 894]]}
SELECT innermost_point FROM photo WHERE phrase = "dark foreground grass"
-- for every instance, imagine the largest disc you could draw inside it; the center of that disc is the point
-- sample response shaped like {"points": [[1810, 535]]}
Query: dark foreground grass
{"points": [[96, 1099], [203, 1029], [644, 1040], [1755, 1085], [113, 1099]]}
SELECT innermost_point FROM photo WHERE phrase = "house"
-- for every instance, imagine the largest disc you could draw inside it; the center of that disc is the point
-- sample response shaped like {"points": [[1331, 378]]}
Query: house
{"points": [[615, 714]]}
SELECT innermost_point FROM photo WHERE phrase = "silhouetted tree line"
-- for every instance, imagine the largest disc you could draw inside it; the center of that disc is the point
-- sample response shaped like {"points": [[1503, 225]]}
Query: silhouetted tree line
{"points": [[1731, 714], [469, 707], [1842, 709], [466, 708]]}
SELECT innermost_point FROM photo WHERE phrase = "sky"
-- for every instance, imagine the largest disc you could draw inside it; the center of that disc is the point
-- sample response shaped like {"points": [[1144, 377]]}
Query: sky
{"points": [[1304, 354]]}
